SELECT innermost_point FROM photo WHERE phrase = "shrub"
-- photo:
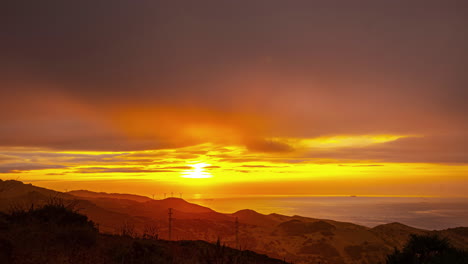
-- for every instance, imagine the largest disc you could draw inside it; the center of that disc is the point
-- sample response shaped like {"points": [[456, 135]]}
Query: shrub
{"points": [[428, 249]]}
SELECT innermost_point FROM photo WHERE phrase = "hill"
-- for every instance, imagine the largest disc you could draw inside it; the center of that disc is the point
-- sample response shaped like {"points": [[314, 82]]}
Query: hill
{"points": [[55, 233], [296, 238], [89, 194]]}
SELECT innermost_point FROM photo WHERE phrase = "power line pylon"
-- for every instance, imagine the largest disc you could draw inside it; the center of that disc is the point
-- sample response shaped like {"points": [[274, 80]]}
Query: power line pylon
{"points": [[170, 223], [237, 233]]}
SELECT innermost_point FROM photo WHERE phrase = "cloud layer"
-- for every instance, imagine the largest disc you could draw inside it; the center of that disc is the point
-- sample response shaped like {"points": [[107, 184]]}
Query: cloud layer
{"points": [[264, 87]]}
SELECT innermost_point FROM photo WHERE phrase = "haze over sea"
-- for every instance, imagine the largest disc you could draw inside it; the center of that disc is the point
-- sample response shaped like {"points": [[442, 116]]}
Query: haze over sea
{"points": [[421, 212]]}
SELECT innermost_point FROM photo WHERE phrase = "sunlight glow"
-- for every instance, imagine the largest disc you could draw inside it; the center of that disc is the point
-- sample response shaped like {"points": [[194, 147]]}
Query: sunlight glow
{"points": [[351, 141], [207, 167], [339, 141], [198, 171]]}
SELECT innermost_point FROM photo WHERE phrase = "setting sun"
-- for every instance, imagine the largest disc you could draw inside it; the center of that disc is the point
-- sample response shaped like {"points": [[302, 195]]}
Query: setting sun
{"points": [[197, 171]]}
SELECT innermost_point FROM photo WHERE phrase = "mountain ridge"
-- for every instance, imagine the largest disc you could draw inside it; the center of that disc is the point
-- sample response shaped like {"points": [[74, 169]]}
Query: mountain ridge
{"points": [[296, 238]]}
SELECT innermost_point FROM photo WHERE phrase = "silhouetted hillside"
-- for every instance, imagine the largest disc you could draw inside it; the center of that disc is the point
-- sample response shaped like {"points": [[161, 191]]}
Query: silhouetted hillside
{"points": [[253, 218], [56, 233], [89, 194], [296, 238], [13, 189]]}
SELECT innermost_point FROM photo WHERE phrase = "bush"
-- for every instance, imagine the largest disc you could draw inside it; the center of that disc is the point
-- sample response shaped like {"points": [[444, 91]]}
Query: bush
{"points": [[52, 233], [6, 251], [428, 249]]}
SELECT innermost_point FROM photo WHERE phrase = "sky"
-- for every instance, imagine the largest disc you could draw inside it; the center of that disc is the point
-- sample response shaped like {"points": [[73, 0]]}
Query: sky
{"points": [[213, 98]]}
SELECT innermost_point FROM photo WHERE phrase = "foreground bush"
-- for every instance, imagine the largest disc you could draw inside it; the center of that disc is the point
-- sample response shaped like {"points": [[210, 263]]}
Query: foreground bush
{"points": [[428, 249]]}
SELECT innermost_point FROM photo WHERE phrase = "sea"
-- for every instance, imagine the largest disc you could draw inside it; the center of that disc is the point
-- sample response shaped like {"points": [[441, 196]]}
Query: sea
{"points": [[431, 213]]}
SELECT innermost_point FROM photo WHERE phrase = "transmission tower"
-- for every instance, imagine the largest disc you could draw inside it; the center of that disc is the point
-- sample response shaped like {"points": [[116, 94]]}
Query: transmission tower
{"points": [[237, 233], [170, 223]]}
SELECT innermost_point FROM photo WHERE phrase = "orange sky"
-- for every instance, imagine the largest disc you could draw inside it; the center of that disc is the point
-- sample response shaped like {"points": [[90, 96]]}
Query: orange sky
{"points": [[317, 166], [223, 98]]}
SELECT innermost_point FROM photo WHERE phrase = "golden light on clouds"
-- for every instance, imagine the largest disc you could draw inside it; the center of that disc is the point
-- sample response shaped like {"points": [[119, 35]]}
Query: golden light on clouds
{"points": [[345, 160], [350, 141], [340, 141], [188, 106]]}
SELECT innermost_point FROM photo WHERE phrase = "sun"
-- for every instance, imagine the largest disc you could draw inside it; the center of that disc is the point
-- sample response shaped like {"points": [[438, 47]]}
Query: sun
{"points": [[197, 171]]}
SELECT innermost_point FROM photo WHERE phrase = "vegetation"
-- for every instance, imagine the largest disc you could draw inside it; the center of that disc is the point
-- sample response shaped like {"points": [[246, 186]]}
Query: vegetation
{"points": [[428, 249], [57, 233]]}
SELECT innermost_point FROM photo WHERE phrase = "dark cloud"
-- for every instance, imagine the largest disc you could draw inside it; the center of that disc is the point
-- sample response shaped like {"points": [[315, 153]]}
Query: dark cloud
{"points": [[152, 154], [268, 146], [19, 167], [70, 71], [436, 149], [68, 158], [361, 165], [186, 156], [259, 166], [177, 168], [233, 159], [6, 158], [120, 170], [186, 151]]}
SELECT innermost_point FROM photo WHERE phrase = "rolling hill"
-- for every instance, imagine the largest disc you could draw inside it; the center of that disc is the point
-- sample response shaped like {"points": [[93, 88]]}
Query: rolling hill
{"points": [[294, 238]]}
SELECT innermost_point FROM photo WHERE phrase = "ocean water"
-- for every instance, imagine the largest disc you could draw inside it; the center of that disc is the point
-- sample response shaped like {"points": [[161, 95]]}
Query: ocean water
{"points": [[430, 213]]}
